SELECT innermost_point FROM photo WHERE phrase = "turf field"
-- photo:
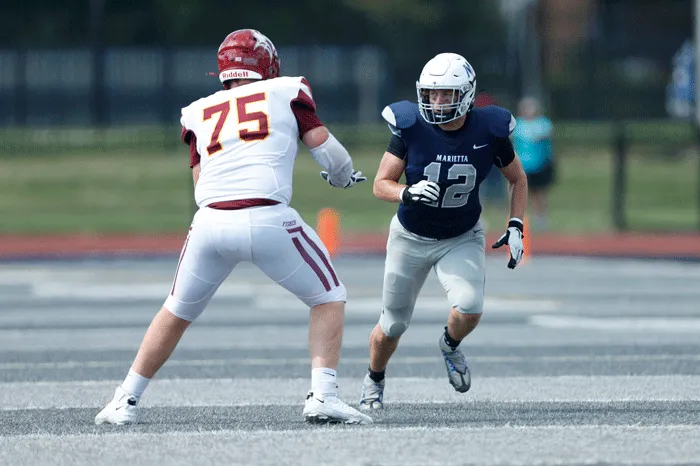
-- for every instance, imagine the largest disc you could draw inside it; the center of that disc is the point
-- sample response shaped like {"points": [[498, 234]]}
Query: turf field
{"points": [[576, 361]]}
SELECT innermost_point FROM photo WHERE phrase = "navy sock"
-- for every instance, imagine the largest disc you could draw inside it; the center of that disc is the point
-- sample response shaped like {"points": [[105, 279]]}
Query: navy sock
{"points": [[376, 376], [451, 342]]}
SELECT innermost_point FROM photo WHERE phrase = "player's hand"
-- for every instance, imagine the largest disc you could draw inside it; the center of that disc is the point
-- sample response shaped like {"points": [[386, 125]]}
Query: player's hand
{"points": [[513, 237], [355, 178], [424, 191]]}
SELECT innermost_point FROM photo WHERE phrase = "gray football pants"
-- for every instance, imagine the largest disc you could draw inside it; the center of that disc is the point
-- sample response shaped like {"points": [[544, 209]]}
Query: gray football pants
{"points": [[459, 263]]}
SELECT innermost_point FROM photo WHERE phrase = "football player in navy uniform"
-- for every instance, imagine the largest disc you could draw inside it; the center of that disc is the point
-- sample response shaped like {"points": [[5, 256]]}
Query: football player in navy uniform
{"points": [[445, 148]]}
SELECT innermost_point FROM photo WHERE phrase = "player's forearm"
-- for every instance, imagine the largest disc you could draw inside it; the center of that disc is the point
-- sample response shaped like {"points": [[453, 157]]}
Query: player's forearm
{"points": [[518, 197], [388, 190], [334, 158]]}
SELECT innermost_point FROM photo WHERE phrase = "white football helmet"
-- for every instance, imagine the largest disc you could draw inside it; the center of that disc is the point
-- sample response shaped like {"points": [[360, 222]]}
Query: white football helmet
{"points": [[447, 71]]}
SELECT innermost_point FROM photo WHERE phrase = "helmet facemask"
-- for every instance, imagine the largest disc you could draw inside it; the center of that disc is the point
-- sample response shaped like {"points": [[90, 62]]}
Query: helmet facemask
{"points": [[453, 103]]}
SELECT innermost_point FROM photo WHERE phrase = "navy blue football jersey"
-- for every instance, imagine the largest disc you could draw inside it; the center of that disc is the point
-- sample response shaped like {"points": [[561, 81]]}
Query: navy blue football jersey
{"points": [[457, 160]]}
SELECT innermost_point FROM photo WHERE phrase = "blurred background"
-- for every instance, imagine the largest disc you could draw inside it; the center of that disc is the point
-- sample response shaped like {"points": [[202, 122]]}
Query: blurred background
{"points": [[91, 91]]}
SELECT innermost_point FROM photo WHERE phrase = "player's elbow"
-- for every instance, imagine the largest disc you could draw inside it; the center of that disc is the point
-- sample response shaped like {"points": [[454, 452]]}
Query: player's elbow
{"points": [[382, 189], [378, 188], [315, 137], [375, 187], [514, 173], [517, 177]]}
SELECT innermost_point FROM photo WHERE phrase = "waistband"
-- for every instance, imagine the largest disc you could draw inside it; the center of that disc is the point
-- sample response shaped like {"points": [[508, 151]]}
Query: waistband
{"points": [[242, 204]]}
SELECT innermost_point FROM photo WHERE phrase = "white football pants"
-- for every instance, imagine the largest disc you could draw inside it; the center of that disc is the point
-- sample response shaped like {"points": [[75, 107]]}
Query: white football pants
{"points": [[460, 265], [274, 238]]}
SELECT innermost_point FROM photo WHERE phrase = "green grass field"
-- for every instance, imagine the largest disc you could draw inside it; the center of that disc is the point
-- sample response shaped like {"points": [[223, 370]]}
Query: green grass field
{"points": [[133, 191]]}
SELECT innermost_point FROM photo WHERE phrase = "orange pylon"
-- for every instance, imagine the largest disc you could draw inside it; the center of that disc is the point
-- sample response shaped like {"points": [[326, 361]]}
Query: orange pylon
{"points": [[527, 241], [328, 229]]}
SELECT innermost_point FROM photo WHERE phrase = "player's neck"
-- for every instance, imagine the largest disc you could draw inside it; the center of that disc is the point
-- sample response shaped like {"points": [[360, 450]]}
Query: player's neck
{"points": [[454, 125]]}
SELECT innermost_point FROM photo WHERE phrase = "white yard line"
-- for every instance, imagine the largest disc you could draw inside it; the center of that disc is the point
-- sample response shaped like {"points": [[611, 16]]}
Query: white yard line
{"points": [[619, 324], [257, 392], [410, 360]]}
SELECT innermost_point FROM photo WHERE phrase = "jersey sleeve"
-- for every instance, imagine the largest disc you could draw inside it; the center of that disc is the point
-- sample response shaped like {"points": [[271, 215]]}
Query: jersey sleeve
{"points": [[304, 108], [195, 158], [399, 116], [188, 137], [501, 121], [390, 118], [501, 124], [186, 126]]}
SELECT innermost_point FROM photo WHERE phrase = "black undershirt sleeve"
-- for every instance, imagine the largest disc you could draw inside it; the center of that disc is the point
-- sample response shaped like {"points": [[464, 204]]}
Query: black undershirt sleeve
{"points": [[397, 147], [504, 153]]}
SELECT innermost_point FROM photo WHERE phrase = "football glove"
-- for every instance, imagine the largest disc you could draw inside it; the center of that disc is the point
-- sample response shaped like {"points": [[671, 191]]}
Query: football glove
{"points": [[355, 178], [513, 237], [424, 191]]}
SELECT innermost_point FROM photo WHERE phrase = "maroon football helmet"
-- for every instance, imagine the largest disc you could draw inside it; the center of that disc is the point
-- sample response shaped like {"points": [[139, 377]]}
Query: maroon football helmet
{"points": [[247, 54]]}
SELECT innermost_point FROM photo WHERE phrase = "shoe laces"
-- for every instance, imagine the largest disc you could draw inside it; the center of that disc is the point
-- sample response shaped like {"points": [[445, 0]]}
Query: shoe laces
{"points": [[339, 404], [375, 389], [455, 358]]}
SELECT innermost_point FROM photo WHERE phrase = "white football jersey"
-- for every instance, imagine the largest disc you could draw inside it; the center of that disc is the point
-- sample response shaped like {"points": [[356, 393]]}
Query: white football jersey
{"points": [[247, 138]]}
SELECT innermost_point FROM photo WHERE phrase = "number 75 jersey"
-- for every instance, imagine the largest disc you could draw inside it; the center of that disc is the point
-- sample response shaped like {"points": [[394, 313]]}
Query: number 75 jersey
{"points": [[247, 139]]}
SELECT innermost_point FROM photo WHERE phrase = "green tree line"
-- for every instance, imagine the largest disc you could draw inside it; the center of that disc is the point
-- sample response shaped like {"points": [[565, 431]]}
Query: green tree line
{"points": [[417, 23]]}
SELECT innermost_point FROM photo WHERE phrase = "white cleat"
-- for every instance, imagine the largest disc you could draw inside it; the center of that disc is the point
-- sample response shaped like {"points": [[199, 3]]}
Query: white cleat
{"points": [[120, 411], [372, 394], [330, 409]]}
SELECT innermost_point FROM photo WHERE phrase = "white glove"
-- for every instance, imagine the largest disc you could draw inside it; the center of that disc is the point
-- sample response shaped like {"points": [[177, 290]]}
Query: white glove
{"points": [[424, 191], [355, 178], [513, 237]]}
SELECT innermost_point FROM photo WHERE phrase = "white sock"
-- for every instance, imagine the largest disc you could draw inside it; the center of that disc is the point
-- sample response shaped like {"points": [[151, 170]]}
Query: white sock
{"points": [[135, 384], [323, 381]]}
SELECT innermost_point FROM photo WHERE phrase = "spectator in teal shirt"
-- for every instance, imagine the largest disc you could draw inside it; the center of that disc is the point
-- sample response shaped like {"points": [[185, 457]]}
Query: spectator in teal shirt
{"points": [[532, 140]]}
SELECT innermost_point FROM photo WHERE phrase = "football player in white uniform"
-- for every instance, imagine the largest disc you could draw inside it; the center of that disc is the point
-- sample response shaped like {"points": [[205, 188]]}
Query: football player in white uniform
{"points": [[243, 141]]}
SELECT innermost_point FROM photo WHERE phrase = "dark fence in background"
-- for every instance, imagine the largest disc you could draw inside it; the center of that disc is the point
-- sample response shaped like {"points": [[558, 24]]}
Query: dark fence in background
{"points": [[623, 65], [131, 86]]}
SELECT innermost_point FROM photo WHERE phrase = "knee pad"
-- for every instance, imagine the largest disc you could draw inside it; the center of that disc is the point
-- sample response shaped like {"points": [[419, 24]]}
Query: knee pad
{"points": [[470, 301], [391, 326]]}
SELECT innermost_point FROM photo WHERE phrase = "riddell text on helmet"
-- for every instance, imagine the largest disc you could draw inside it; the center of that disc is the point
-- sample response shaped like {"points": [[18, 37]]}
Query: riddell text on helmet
{"points": [[234, 74]]}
